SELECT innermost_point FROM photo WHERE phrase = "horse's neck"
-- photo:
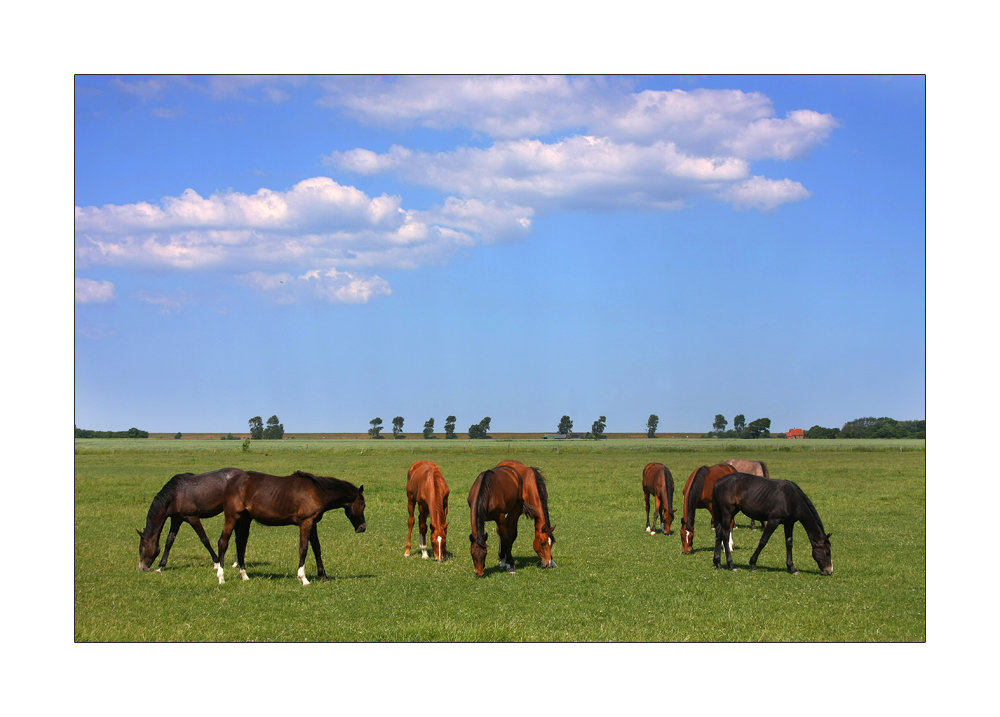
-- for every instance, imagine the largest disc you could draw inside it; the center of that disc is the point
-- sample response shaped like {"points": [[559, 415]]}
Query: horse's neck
{"points": [[809, 522], [335, 497], [155, 520]]}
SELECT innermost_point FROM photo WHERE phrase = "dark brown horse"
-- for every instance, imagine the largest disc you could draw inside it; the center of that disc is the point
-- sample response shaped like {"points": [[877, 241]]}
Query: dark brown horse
{"points": [[658, 482], [754, 468], [185, 498], [773, 503], [299, 499], [698, 494], [535, 495], [427, 490], [497, 495]]}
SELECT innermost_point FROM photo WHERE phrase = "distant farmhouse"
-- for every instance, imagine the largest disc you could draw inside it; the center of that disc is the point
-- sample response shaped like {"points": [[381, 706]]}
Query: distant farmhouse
{"points": [[795, 433]]}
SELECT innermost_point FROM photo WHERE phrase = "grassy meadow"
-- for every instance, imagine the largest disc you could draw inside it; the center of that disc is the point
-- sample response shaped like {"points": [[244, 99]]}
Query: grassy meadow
{"points": [[614, 582]]}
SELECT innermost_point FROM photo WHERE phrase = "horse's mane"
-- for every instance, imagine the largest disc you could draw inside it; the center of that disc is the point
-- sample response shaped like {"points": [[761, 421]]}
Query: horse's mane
{"points": [[811, 507], [543, 493], [485, 487], [694, 491], [163, 499], [763, 467], [328, 482]]}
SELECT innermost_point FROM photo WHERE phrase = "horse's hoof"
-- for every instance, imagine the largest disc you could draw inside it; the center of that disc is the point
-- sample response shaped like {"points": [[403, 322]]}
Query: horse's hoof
{"points": [[733, 569], [752, 568], [406, 554], [158, 570], [795, 572]]}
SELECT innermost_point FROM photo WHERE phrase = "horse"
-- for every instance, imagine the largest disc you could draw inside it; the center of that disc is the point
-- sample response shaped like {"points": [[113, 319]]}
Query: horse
{"points": [[426, 488], [698, 494], [773, 503], [185, 498], [535, 495], [657, 480], [497, 495], [299, 499], [755, 468]]}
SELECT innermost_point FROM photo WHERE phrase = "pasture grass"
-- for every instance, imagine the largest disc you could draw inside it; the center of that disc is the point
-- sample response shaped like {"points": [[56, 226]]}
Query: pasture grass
{"points": [[614, 582]]}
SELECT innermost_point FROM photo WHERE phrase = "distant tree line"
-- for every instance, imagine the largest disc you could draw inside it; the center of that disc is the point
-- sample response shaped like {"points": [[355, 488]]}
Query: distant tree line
{"points": [[758, 428], [870, 427], [275, 431], [130, 433]]}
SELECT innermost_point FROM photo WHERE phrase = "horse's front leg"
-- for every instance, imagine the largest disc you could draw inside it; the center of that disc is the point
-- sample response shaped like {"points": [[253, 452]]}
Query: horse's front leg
{"points": [[511, 537], [175, 524], [305, 527], [768, 528], [409, 532], [788, 548], [314, 542], [502, 532], [424, 512], [200, 530], [647, 513]]}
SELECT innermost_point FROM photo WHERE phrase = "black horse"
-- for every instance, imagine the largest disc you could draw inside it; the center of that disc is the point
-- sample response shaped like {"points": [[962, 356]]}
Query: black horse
{"points": [[186, 498], [299, 499], [773, 503]]}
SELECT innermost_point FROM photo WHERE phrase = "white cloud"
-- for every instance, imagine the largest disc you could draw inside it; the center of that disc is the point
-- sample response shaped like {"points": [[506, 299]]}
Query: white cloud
{"points": [[317, 223], [330, 285], [169, 304], [764, 194], [87, 291]]}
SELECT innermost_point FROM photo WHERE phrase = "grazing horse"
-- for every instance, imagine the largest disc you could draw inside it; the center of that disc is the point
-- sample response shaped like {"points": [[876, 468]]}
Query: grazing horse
{"points": [[185, 498], [497, 495], [657, 480], [299, 499], [698, 494], [426, 489], [773, 503], [754, 468], [536, 506]]}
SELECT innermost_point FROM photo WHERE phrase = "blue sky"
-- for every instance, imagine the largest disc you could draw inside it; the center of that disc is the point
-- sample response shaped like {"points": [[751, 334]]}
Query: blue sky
{"points": [[334, 249]]}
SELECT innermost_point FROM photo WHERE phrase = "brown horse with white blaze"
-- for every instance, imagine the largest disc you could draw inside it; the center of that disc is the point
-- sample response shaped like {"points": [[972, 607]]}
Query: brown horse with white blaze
{"points": [[754, 468], [299, 499], [658, 482], [535, 495], [497, 495], [698, 494], [427, 491]]}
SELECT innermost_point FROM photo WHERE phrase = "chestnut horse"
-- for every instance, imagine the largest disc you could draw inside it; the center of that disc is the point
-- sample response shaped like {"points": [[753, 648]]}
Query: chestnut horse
{"points": [[426, 489], [698, 494], [536, 506], [773, 503], [185, 498], [754, 468], [497, 495], [299, 499], [657, 480]]}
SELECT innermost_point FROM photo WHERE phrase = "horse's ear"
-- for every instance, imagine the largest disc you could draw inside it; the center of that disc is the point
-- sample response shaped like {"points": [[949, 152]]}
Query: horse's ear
{"points": [[361, 490], [828, 535], [472, 538], [551, 528], [446, 526], [139, 532]]}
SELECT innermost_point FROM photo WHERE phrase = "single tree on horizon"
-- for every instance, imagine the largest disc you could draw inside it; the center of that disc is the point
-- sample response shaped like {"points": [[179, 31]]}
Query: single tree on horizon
{"points": [[397, 426], [651, 425], [565, 425], [449, 427], [429, 428]]}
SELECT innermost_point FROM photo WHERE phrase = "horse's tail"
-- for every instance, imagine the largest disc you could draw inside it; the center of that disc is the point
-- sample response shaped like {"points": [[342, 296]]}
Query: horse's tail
{"points": [[669, 479], [481, 508], [694, 495], [764, 470]]}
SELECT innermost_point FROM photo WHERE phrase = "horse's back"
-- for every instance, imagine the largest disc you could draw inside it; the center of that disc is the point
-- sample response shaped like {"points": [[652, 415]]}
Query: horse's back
{"points": [[425, 482], [756, 468], [203, 494]]}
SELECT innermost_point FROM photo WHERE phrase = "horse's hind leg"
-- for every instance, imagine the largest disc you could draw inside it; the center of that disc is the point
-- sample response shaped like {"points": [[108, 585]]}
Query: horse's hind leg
{"points": [[304, 529], [768, 528], [409, 532], [242, 534], [227, 530], [200, 530], [511, 537], [314, 542], [175, 524], [647, 513], [788, 548]]}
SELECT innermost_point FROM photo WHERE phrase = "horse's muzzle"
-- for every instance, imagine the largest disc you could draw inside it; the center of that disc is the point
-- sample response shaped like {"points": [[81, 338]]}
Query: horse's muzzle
{"points": [[828, 571], [143, 568], [361, 528]]}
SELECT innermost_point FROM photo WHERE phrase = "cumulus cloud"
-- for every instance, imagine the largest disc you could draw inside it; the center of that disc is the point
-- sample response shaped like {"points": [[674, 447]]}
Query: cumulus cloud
{"points": [[316, 223], [88, 291], [764, 194], [330, 285]]}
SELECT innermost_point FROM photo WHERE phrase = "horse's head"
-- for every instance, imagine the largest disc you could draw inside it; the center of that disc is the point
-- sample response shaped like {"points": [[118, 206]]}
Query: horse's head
{"points": [[355, 511], [821, 554], [149, 548], [687, 537], [439, 542], [544, 540], [478, 554]]}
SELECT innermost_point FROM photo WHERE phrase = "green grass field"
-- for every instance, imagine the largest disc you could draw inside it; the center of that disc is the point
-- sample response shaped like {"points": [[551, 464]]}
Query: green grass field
{"points": [[614, 582]]}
